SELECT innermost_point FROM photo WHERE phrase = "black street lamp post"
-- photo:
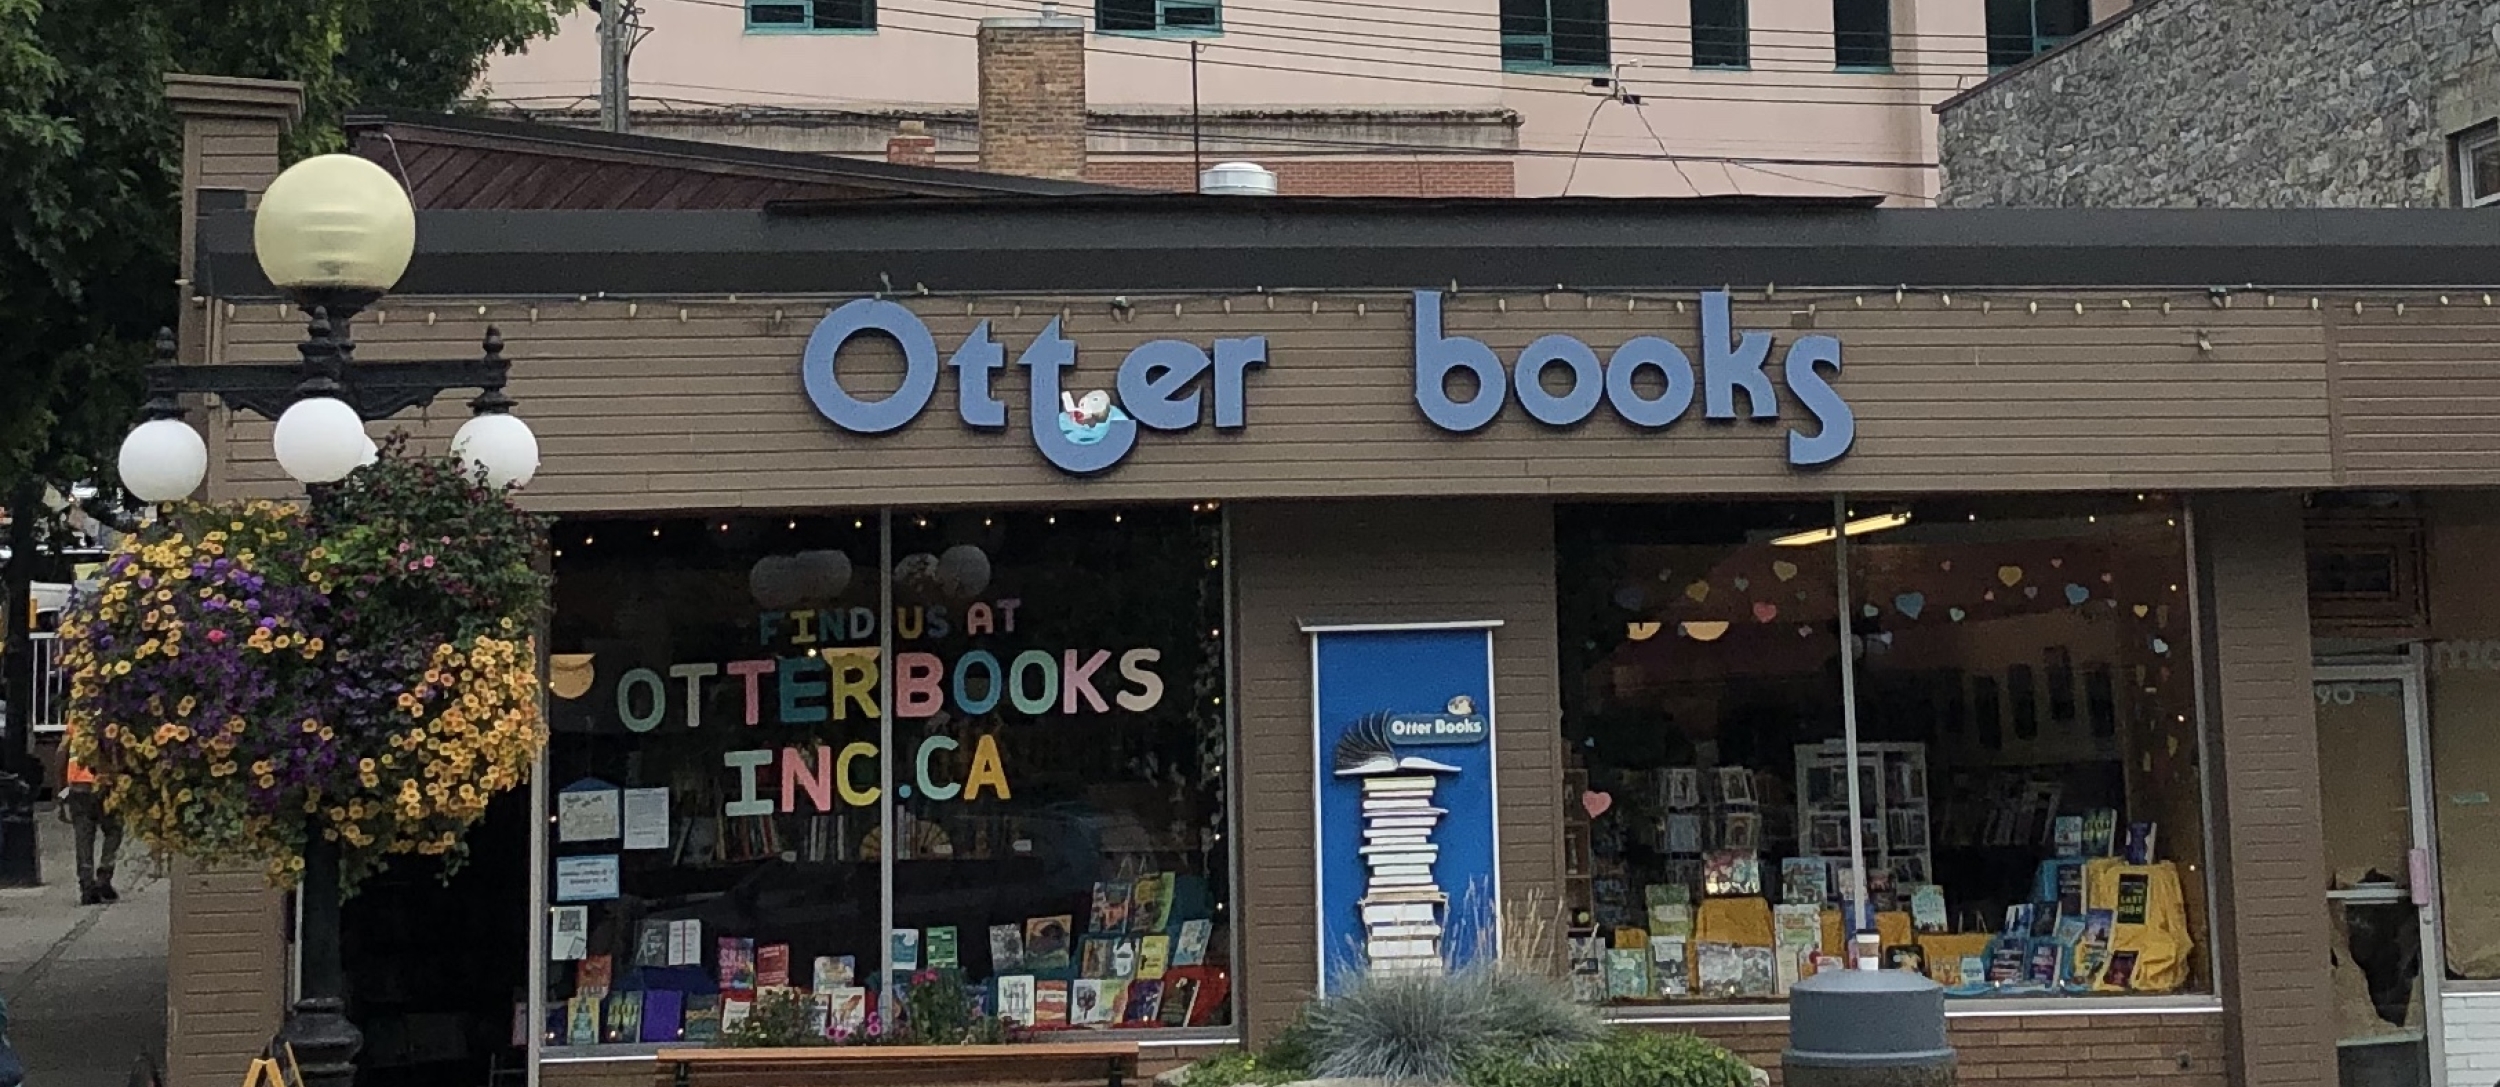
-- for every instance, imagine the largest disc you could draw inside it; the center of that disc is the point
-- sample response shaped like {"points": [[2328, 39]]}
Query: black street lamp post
{"points": [[334, 232]]}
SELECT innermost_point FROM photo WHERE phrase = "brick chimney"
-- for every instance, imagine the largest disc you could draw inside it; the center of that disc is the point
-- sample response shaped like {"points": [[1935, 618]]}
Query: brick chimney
{"points": [[1033, 95], [911, 145]]}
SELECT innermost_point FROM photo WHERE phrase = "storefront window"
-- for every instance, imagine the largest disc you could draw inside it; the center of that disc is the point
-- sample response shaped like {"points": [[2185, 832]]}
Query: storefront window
{"points": [[2029, 805], [1699, 654], [2025, 684], [719, 801]]}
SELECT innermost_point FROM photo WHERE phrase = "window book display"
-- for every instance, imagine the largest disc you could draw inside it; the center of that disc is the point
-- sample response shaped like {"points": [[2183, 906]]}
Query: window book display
{"points": [[1044, 972], [1745, 924]]}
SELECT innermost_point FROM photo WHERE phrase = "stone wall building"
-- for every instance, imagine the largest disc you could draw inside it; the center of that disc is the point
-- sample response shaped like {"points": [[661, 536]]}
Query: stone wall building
{"points": [[2240, 103]]}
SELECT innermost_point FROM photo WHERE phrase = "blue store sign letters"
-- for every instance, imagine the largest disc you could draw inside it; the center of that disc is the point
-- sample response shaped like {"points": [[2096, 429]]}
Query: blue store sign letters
{"points": [[1166, 384]]}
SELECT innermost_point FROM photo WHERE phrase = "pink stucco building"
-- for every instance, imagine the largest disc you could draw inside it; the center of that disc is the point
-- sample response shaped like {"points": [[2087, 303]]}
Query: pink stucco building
{"points": [[1525, 97]]}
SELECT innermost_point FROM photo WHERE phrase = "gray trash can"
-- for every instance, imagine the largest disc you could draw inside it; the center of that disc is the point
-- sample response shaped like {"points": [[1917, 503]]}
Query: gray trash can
{"points": [[1866, 1028]]}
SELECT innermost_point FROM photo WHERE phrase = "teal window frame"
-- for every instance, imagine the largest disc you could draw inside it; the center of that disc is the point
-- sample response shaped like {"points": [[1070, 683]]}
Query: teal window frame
{"points": [[1527, 39], [1164, 27], [1843, 46], [1743, 36], [2002, 43], [807, 25]]}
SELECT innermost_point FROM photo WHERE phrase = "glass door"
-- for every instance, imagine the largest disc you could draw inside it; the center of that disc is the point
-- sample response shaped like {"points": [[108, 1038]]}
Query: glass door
{"points": [[2373, 786]]}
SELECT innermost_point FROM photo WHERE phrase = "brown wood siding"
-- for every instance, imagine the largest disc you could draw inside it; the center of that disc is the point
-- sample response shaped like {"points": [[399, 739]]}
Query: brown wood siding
{"points": [[2419, 394], [1349, 562], [226, 968], [236, 153], [2271, 917], [640, 409]]}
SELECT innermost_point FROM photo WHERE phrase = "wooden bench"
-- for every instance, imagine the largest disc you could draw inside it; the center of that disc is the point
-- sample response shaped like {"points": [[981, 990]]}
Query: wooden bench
{"points": [[1035, 1064]]}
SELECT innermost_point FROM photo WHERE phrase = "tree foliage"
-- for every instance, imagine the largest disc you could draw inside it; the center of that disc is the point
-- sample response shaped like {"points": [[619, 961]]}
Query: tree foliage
{"points": [[90, 158]]}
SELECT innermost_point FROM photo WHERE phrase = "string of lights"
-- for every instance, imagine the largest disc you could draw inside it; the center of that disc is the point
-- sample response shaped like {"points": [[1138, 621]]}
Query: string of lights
{"points": [[792, 314]]}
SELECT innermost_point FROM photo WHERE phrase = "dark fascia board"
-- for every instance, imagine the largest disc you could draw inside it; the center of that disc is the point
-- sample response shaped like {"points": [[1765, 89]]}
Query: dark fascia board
{"points": [[1190, 244], [519, 136]]}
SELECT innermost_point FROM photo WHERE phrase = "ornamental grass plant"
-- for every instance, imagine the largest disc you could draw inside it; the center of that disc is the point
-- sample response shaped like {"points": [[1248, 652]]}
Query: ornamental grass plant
{"points": [[245, 675], [1424, 1028]]}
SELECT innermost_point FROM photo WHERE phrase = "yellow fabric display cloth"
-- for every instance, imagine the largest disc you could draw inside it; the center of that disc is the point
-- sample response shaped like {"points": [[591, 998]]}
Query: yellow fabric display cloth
{"points": [[1946, 951], [1892, 928], [1745, 922], [2151, 922]]}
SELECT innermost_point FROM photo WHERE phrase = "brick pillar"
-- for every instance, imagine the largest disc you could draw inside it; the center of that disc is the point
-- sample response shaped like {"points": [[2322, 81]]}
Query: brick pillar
{"points": [[2270, 920], [911, 145], [226, 956], [1033, 96]]}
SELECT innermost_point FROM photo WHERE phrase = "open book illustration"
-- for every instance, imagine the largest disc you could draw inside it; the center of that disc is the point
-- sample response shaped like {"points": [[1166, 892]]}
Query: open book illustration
{"points": [[1364, 751]]}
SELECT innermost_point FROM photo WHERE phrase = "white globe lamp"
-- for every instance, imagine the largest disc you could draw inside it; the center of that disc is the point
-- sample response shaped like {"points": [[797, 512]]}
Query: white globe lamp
{"points": [[500, 445], [320, 439], [163, 460], [336, 223]]}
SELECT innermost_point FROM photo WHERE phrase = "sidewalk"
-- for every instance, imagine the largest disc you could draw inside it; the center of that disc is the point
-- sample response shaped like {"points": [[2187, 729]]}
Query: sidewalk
{"points": [[85, 984]]}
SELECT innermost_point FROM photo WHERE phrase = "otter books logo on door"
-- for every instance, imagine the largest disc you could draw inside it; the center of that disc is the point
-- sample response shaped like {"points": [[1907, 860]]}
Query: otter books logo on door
{"points": [[1406, 840]]}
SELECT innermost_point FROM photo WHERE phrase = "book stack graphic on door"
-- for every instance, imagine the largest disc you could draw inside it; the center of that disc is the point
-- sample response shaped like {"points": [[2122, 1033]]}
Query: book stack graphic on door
{"points": [[1403, 904]]}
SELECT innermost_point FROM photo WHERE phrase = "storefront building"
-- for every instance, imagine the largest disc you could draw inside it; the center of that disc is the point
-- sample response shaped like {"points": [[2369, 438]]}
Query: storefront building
{"points": [[1443, 578]]}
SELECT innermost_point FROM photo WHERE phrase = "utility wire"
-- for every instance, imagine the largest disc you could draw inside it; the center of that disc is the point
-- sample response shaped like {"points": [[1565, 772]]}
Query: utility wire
{"points": [[1363, 146], [1901, 95], [1573, 174], [1434, 17], [1442, 43], [1637, 111]]}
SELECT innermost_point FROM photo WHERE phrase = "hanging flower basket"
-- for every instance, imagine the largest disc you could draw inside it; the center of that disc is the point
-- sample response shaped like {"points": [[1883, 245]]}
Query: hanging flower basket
{"points": [[245, 675]]}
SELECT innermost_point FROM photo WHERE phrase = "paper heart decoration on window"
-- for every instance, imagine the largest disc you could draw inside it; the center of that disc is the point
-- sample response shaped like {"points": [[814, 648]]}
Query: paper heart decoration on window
{"points": [[2031, 592], [1955, 614], [2141, 611], [2077, 594], [1910, 603], [1698, 591], [1765, 611], [1783, 569], [1743, 584], [2010, 575], [2057, 564], [1596, 803]]}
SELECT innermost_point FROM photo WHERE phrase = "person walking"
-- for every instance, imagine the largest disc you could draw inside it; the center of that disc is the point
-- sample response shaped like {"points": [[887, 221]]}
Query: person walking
{"points": [[82, 803]]}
